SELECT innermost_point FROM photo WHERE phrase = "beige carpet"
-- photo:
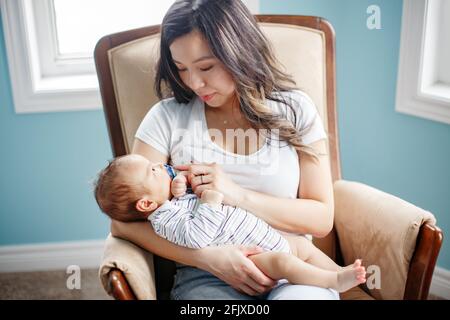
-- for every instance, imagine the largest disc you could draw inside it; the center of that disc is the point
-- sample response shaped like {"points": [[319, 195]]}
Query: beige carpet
{"points": [[50, 285]]}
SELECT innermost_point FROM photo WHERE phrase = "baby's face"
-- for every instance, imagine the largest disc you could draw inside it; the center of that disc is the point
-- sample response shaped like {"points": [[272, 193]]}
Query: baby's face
{"points": [[139, 170]]}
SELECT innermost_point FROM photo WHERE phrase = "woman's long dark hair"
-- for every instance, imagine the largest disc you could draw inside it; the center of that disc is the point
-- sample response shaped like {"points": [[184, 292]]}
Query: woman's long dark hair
{"points": [[235, 39]]}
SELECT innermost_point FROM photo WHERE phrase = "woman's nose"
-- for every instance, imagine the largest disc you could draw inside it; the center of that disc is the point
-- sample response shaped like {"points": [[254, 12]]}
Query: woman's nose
{"points": [[196, 82]]}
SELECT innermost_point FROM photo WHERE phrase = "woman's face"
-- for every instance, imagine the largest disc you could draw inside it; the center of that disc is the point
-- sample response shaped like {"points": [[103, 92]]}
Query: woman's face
{"points": [[201, 71]]}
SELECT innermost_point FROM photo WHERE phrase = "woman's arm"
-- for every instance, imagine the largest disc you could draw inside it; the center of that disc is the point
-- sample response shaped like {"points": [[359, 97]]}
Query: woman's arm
{"points": [[143, 235], [140, 147], [313, 211]]}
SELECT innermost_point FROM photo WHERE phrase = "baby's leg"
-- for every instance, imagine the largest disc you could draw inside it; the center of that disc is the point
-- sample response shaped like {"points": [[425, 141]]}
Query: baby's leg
{"points": [[348, 276], [308, 252], [281, 265]]}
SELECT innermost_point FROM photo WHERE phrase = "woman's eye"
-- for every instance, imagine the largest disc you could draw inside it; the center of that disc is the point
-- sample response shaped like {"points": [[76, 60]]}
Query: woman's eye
{"points": [[202, 69], [153, 169], [206, 69]]}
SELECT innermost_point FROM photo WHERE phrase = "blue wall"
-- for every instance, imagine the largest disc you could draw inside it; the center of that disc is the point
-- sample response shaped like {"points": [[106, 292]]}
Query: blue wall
{"points": [[46, 165], [400, 154], [47, 160]]}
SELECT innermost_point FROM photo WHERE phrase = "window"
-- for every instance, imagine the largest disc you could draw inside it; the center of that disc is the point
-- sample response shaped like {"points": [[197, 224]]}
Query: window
{"points": [[423, 85], [50, 45]]}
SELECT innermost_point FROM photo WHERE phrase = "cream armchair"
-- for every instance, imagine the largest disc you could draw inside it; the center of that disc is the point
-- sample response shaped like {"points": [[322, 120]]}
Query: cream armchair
{"points": [[398, 242]]}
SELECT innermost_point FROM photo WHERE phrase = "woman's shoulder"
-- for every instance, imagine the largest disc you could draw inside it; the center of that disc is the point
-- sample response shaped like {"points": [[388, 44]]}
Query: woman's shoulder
{"points": [[170, 108], [296, 97], [171, 105], [298, 100]]}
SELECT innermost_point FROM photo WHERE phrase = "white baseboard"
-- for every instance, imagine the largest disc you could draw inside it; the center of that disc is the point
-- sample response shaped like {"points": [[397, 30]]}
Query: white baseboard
{"points": [[440, 284], [51, 256]]}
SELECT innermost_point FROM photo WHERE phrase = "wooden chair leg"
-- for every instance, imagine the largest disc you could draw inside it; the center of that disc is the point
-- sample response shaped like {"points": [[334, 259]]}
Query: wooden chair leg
{"points": [[119, 286]]}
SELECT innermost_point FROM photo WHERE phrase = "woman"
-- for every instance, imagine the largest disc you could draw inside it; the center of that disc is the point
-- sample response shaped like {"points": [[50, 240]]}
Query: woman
{"points": [[224, 82]]}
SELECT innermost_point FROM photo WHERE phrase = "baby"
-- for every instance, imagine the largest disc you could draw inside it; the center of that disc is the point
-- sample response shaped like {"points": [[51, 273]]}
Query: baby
{"points": [[131, 188]]}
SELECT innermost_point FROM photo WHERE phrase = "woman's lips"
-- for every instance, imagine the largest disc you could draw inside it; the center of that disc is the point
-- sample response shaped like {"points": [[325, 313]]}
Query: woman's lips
{"points": [[207, 97]]}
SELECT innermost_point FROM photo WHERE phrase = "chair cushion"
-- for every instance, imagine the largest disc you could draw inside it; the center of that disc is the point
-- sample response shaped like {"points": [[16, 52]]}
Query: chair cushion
{"points": [[132, 69], [301, 52]]}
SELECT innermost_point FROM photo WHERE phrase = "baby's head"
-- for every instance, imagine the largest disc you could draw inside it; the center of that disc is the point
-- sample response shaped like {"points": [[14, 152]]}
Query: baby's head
{"points": [[130, 188]]}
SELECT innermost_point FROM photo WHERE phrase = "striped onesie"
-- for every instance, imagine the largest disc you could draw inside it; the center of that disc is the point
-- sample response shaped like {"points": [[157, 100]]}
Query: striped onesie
{"points": [[189, 223]]}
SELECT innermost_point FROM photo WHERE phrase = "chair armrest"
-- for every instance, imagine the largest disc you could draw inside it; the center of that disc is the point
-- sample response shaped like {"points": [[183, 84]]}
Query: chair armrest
{"points": [[135, 264], [382, 230]]}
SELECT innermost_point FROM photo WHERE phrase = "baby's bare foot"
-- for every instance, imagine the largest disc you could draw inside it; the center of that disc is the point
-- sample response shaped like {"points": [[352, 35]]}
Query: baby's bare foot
{"points": [[350, 276], [355, 264]]}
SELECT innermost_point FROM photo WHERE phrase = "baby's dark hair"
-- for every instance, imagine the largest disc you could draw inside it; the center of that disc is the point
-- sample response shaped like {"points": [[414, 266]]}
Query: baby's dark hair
{"points": [[115, 197]]}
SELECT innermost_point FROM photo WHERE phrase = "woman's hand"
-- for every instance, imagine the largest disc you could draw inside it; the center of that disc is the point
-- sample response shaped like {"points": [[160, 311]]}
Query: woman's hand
{"points": [[212, 177], [230, 264]]}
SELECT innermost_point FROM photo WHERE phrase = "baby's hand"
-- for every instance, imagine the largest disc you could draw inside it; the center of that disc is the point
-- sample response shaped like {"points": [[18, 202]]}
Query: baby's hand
{"points": [[179, 186]]}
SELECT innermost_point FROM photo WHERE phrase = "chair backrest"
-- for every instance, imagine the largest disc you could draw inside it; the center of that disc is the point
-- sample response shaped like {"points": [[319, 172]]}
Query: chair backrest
{"points": [[304, 45]]}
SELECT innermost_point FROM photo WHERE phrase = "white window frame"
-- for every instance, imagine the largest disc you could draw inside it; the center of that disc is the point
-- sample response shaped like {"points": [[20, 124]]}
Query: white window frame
{"points": [[60, 89], [417, 92], [41, 79], [53, 63]]}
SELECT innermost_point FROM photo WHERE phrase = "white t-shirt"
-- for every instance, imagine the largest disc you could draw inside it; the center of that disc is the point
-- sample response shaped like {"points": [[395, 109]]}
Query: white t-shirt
{"points": [[180, 131]]}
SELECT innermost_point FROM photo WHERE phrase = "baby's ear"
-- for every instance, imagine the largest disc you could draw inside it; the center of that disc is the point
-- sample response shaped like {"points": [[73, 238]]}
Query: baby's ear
{"points": [[146, 205]]}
